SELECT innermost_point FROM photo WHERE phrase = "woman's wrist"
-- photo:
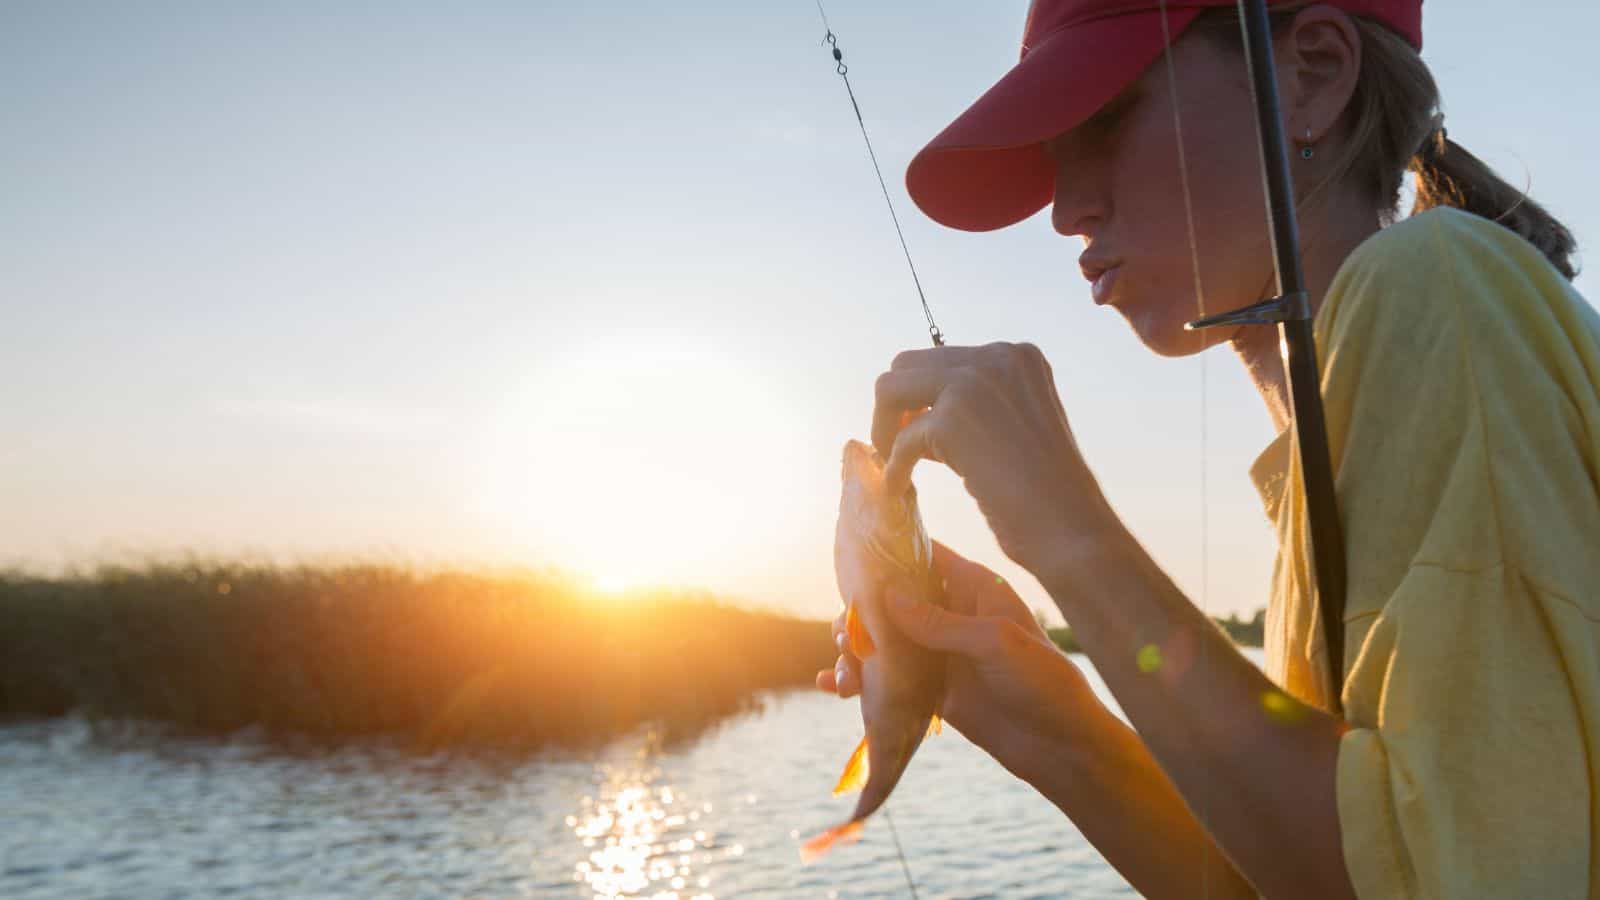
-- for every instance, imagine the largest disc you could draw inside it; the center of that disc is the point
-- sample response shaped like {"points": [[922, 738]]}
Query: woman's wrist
{"points": [[1084, 557], [1056, 745], [1045, 761], [1058, 762]]}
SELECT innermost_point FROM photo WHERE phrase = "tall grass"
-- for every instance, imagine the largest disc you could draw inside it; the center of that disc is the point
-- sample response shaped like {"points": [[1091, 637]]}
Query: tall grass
{"points": [[447, 658]]}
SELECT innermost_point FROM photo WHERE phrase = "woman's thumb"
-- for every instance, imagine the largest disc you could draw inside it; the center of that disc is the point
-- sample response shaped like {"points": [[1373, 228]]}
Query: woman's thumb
{"points": [[927, 623]]}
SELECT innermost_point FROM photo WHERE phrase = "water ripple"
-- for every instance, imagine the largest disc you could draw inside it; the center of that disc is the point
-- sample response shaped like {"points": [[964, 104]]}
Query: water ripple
{"points": [[121, 810]]}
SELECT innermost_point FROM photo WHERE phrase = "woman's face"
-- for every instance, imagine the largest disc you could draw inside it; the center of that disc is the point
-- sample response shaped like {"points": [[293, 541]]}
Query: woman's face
{"points": [[1119, 187]]}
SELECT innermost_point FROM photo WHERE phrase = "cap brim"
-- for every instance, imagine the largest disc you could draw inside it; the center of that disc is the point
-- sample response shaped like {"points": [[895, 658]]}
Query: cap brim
{"points": [[988, 169]]}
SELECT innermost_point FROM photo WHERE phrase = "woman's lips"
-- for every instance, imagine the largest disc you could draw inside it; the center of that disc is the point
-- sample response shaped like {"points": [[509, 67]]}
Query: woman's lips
{"points": [[1101, 284]]}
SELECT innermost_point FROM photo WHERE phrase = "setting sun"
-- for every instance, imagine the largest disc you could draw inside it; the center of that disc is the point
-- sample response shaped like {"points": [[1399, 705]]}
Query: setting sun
{"points": [[664, 458], [611, 584]]}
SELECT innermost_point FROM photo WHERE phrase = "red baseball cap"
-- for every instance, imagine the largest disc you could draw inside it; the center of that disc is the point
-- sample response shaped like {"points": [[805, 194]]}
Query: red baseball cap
{"points": [[988, 169]]}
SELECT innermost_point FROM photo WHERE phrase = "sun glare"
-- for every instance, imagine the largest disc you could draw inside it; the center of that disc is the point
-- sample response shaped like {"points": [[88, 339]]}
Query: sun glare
{"points": [[661, 462], [611, 584]]}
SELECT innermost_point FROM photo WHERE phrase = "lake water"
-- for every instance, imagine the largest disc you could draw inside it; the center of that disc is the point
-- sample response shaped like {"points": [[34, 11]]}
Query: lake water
{"points": [[122, 811]]}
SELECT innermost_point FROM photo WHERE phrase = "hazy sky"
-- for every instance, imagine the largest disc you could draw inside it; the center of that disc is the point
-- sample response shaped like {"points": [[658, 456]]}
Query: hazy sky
{"points": [[604, 286]]}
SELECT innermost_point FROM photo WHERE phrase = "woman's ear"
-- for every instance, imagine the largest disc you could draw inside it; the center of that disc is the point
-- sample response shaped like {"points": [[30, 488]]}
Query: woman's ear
{"points": [[1319, 61]]}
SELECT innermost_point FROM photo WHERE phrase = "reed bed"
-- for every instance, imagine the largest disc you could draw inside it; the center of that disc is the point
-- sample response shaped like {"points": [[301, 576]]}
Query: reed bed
{"points": [[518, 660]]}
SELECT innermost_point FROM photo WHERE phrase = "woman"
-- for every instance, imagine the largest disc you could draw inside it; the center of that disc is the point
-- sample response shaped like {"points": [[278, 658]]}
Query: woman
{"points": [[1459, 380]]}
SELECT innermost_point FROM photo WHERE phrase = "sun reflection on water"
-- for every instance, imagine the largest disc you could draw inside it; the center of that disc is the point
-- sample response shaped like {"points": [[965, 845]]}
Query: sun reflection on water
{"points": [[642, 839]]}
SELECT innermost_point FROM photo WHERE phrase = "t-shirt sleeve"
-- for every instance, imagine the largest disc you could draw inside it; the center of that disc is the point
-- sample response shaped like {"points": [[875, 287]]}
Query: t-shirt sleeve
{"points": [[1463, 458], [1470, 778]]}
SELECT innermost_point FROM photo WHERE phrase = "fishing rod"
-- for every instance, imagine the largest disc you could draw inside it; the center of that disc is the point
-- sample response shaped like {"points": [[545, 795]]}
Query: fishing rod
{"points": [[1291, 312]]}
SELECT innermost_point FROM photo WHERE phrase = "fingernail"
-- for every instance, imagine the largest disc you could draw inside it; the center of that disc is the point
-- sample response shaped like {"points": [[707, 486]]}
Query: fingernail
{"points": [[838, 640]]}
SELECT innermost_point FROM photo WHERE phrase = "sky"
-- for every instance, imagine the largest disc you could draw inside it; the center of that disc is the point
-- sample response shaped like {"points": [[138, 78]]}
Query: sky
{"points": [[597, 286]]}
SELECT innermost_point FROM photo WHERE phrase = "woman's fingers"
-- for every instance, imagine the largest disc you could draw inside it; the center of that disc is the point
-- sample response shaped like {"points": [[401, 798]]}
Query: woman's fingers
{"points": [[937, 628], [845, 686], [917, 379], [900, 391], [825, 681], [845, 678], [919, 439], [842, 642]]}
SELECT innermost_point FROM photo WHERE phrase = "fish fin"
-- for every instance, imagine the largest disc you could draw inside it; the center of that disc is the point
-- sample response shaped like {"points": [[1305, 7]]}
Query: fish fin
{"points": [[854, 775], [935, 725], [860, 640], [816, 846]]}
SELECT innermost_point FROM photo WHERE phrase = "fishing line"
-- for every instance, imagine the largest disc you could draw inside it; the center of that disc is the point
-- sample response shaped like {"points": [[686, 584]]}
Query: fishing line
{"points": [[844, 73], [933, 329], [1200, 303], [910, 885]]}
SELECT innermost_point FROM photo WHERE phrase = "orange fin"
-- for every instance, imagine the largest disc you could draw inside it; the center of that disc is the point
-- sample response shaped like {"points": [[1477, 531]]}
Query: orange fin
{"points": [[935, 725], [860, 641], [815, 847], [854, 775]]}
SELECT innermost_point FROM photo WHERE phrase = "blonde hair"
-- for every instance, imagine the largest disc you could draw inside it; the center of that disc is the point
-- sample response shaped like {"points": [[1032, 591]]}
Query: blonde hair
{"points": [[1394, 125]]}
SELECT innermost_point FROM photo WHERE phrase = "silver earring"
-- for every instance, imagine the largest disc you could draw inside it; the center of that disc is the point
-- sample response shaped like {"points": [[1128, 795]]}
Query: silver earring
{"points": [[1306, 152]]}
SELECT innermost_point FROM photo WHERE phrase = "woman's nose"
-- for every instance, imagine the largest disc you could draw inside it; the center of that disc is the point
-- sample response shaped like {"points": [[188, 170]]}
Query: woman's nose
{"points": [[1077, 206]]}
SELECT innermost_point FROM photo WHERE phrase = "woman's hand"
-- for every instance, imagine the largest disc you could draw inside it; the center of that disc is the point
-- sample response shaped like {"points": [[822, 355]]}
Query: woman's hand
{"points": [[1007, 687], [991, 414]]}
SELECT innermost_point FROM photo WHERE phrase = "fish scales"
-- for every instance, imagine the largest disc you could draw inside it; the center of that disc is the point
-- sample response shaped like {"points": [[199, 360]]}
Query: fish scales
{"points": [[880, 538]]}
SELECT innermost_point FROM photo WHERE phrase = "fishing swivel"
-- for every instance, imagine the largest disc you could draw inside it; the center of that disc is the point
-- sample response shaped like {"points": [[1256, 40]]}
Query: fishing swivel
{"points": [[838, 55], [844, 72]]}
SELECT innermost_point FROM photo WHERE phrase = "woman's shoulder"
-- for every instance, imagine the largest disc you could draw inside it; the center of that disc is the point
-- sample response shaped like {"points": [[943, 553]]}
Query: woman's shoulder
{"points": [[1425, 230], [1446, 264], [1441, 246], [1461, 384]]}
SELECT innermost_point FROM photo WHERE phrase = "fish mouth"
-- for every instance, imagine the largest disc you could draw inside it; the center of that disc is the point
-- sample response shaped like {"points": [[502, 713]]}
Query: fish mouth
{"points": [[857, 452]]}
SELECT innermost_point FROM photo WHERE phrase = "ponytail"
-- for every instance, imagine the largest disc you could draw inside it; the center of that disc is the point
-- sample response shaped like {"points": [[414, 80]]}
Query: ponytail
{"points": [[1447, 175]]}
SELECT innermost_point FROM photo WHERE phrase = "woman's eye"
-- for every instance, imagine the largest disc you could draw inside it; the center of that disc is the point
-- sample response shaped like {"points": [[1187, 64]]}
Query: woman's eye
{"points": [[1093, 133], [1103, 124], [1097, 130]]}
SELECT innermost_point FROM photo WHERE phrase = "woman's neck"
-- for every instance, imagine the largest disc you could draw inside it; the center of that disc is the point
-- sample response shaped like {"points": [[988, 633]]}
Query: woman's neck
{"points": [[1331, 235]]}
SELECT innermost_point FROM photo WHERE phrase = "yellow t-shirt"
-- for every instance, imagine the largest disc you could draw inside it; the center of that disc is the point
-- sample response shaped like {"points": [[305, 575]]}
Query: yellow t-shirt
{"points": [[1459, 376]]}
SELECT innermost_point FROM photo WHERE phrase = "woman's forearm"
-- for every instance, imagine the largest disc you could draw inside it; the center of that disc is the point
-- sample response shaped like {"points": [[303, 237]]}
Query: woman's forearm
{"points": [[1106, 781], [1254, 765]]}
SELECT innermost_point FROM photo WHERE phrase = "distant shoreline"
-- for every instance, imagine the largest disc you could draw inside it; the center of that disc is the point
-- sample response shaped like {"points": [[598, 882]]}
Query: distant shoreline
{"points": [[520, 661], [1245, 632], [452, 658]]}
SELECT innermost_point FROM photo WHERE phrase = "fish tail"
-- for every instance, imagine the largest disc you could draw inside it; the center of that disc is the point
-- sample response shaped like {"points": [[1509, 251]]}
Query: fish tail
{"points": [[855, 771], [814, 847]]}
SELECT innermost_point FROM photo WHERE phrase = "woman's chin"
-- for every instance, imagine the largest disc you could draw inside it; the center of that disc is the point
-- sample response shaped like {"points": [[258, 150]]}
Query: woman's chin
{"points": [[1167, 337]]}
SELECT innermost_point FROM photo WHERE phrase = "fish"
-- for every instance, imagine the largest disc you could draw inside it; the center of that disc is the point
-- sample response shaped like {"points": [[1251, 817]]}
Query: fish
{"points": [[879, 538]]}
